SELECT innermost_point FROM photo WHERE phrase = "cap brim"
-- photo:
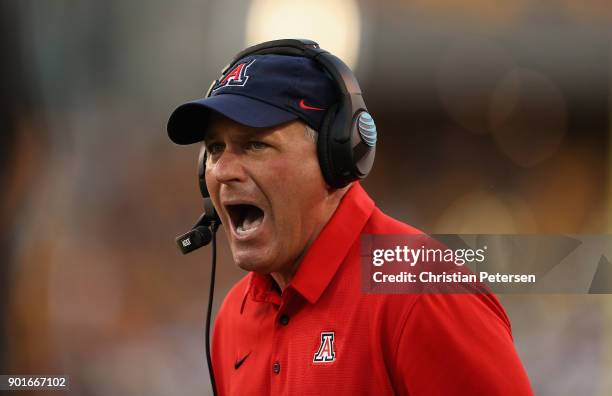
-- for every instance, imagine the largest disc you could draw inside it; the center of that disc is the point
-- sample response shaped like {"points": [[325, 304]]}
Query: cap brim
{"points": [[188, 123]]}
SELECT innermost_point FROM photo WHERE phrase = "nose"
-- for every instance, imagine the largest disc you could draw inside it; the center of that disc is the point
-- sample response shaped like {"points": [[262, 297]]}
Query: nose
{"points": [[228, 168]]}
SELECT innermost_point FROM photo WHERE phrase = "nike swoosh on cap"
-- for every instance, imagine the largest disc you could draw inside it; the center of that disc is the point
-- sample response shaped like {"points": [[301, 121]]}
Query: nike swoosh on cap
{"points": [[306, 107]]}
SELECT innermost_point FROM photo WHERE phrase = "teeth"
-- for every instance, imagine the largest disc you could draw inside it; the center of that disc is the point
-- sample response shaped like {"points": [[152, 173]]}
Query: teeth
{"points": [[250, 222], [248, 226], [241, 231]]}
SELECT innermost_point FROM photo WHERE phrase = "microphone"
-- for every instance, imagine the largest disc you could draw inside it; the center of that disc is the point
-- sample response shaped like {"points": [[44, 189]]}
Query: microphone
{"points": [[194, 239], [202, 232]]}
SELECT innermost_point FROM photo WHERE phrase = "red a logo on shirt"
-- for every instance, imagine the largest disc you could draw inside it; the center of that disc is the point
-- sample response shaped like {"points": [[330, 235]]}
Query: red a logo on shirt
{"points": [[326, 352]]}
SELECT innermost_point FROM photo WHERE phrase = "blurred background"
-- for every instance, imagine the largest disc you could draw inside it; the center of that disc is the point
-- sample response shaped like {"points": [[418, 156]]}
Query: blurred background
{"points": [[494, 117]]}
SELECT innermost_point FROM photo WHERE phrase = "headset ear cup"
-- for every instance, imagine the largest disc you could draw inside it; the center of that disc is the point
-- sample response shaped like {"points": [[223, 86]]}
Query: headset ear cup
{"points": [[323, 147], [363, 144]]}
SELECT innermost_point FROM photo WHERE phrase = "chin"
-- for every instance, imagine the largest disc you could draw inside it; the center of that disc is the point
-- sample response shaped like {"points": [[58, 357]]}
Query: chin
{"points": [[252, 261]]}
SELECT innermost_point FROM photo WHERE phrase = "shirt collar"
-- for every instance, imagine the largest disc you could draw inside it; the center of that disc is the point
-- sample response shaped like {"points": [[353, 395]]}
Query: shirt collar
{"points": [[325, 254]]}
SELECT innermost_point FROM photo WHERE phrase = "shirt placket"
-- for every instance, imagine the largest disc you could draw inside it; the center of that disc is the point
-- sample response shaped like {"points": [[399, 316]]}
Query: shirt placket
{"points": [[280, 359]]}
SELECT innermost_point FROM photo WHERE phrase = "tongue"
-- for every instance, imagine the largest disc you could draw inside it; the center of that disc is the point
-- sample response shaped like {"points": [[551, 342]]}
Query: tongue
{"points": [[252, 219]]}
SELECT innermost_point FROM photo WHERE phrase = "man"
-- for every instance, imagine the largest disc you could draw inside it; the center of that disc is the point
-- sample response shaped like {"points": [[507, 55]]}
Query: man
{"points": [[298, 322]]}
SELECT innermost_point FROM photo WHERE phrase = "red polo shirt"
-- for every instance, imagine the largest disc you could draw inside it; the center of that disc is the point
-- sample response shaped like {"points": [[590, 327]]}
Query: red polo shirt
{"points": [[323, 335]]}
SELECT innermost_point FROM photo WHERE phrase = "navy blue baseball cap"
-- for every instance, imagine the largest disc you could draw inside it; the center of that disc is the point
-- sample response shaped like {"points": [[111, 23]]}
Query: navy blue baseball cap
{"points": [[260, 91]]}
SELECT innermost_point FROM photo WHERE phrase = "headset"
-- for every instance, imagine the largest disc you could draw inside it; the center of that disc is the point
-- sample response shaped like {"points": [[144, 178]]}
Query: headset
{"points": [[346, 143]]}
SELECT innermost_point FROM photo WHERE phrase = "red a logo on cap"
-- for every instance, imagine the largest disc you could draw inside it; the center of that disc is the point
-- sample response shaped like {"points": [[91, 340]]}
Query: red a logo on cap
{"points": [[236, 77]]}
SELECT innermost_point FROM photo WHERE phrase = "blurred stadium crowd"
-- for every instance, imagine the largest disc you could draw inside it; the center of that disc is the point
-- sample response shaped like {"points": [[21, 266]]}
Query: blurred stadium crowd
{"points": [[494, 118]]}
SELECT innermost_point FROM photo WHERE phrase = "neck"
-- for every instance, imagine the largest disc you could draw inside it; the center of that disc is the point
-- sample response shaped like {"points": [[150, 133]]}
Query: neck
{"points": [[283, 278]]}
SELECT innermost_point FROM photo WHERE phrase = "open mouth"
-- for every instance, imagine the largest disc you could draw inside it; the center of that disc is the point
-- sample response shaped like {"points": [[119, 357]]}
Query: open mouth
{"points": [[245, 218]]}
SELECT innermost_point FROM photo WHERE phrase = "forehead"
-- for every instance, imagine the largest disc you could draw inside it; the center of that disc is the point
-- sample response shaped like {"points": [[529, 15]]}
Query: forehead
{"points": [[221, 127]]}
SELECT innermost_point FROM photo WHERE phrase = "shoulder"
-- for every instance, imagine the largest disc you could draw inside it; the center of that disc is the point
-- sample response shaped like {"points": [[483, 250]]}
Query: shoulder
{"points": [[446, 307], [232, 304], [467, 337], [225, 329], [451, 312], [381, 223]]}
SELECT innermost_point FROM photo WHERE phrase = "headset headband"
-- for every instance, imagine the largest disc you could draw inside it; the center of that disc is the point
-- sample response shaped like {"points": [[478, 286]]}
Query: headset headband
{"points": [[347, 139]]}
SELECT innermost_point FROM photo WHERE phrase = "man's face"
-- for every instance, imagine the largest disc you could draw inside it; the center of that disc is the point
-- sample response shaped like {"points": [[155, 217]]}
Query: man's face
{"points": [[267, 187]]}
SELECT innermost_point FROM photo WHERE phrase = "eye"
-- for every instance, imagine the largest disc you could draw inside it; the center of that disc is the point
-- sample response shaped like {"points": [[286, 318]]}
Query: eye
{"points": [[257, 145], [214, 148]]}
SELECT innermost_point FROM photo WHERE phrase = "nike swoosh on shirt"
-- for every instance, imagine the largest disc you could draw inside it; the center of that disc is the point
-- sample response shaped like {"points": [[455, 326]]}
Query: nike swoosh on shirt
{"points": [[306, 107], [239, 362]]}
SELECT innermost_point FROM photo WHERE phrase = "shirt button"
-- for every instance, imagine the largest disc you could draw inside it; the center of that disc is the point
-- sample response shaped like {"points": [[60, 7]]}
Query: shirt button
{"points": [[284, 319], [276, 367]]}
